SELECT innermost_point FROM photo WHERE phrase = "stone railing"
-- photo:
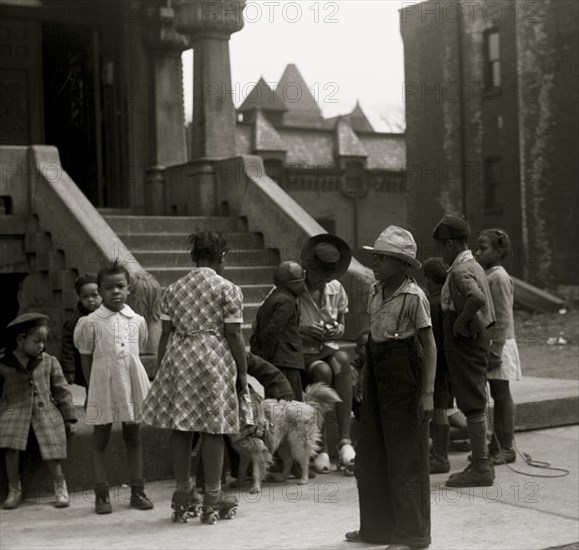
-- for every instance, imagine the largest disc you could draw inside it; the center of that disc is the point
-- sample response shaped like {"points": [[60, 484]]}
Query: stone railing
{"points": [[66, 236], [244, 186]]}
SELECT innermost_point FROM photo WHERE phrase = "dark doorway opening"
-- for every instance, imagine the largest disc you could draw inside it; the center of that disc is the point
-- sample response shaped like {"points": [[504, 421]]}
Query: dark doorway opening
{"points": [[72, 104], [9, 283]]}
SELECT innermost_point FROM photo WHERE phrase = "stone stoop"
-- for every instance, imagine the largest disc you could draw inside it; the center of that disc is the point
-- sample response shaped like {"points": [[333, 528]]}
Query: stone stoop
{"points": [[159, 244]]}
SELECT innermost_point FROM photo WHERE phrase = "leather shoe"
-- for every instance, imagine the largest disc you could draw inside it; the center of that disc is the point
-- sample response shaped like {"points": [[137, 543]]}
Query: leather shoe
{"points": [[355, 536]]}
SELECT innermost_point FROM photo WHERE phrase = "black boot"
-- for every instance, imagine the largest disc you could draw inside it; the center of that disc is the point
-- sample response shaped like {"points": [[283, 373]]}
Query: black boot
{"points": [[102, 501], [481, 471], [439, 463], [139, 499], [506, 454]]}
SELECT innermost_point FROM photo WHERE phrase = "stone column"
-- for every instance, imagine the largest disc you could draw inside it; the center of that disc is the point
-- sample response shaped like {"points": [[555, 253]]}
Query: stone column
{"points": [[209, 24], [165, 45]]}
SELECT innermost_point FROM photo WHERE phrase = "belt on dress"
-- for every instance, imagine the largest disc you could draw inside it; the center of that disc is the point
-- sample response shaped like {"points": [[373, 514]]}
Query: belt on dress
{"points": [[200, 332]]}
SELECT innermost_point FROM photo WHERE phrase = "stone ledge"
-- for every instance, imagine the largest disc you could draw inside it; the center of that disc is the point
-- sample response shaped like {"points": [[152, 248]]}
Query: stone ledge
{"points": [[540, 403]]}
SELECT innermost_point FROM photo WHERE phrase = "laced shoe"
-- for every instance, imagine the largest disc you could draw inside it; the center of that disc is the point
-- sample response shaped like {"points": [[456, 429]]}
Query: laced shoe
{"points": [[61, 494], [14, 497]]}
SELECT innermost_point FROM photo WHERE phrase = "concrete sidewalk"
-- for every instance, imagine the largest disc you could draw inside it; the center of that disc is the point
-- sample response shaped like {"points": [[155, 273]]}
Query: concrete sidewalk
{"points": [[518, 512]]}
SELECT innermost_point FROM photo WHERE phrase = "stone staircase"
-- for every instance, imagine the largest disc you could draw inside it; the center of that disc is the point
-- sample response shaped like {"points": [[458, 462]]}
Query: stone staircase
{"points": [[159, 243]]}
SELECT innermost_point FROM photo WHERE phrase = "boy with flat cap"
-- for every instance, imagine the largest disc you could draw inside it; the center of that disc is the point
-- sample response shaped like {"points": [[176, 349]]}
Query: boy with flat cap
{"points": [[468, 312]]}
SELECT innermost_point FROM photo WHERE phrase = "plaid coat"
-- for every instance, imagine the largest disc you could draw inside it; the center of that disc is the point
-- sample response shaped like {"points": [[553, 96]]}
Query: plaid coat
{"points": [[36, 396]]}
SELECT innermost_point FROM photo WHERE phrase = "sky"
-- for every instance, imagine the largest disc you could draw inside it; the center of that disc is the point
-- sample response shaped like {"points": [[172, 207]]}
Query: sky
{"points": [[346, 50]]}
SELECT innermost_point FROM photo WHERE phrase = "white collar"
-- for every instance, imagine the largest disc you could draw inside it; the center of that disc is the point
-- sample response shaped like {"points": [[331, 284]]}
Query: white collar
{"points": [[105, 312]]}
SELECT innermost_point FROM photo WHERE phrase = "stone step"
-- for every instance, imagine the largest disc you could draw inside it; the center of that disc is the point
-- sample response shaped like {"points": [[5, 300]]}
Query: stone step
{"points": [[239, 275], [178, 258], [169, 224], [141, 242]]}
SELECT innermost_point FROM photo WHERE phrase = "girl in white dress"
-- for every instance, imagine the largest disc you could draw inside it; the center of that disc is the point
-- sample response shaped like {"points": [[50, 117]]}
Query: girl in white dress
{"points": [[108, 341], [504, 364]]}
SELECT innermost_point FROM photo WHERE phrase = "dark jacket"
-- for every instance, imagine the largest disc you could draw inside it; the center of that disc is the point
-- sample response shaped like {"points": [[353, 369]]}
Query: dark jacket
{"points": [[276, 336], [275, 384], [69, 356], [468, 279]]}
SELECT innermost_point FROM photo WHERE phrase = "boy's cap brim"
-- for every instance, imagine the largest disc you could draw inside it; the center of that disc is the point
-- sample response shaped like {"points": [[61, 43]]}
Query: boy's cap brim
{"points": [[412, 262], [451, 227], [27, 321]]}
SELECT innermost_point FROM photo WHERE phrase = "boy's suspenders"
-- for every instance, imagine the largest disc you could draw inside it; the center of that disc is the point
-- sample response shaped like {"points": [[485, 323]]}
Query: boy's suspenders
{"points": [[399, 320]]}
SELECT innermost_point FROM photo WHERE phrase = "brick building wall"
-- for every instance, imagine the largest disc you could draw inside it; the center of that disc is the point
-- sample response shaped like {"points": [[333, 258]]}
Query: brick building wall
{"points": [[498, 151]]}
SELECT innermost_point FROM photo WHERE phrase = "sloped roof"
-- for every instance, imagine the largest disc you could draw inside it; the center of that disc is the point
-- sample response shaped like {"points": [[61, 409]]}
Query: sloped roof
{"points": [[262, 97], [302, 109], [347, 143], [308, 148], [385, 151], [357, 120], [265, 137]]}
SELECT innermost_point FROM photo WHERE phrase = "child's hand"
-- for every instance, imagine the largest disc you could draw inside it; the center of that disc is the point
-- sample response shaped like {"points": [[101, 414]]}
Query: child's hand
{"points": [[494, 361], [460, 328], [359, 390], [313, 331], [425, 407], [70, 428], [241, 383]]}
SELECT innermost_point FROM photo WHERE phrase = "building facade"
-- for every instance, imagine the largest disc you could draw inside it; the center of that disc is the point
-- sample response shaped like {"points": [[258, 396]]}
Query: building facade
{"points": [[491, 91]]}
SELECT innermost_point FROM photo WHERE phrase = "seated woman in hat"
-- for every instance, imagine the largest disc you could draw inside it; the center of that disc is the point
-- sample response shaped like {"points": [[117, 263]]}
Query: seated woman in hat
{"points": [[323, 307]]}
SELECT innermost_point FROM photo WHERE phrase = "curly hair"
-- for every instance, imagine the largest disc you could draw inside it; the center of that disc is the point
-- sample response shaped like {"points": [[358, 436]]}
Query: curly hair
{"points": [[498, 239], [113, 268], [207, 245], [85, 279], [435, 270]]}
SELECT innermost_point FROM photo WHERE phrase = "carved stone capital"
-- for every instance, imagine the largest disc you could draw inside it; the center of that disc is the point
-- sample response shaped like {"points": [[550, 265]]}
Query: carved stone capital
{"points": [[215, 18], [160, 34]]}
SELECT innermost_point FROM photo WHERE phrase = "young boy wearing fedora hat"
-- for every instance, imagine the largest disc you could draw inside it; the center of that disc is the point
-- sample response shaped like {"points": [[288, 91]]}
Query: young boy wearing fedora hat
{"points": [[323, 307], [468, 312], [392, 462]]}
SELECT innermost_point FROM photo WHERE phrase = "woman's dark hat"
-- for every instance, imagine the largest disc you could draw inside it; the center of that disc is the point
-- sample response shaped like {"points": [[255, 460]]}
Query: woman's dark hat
{"points": [[326, 255], [451, 227], [26, 321]]}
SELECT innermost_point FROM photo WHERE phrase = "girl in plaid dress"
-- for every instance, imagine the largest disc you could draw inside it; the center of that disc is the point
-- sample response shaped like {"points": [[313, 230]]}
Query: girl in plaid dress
{"points": [[34, 395], [202, 357]]}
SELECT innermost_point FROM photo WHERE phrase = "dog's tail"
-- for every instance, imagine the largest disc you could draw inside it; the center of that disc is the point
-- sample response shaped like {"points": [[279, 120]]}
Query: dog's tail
{"points": [[321, 397]]}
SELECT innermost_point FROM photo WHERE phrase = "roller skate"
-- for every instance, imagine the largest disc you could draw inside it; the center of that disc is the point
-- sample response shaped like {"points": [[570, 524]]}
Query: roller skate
{"points": [[346, 457], [222, 507], [185, 506]]}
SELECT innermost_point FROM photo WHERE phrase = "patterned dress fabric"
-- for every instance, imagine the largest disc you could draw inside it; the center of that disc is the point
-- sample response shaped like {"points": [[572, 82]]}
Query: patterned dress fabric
{"points": [[36, 397], [118, 380], [194, 389]]}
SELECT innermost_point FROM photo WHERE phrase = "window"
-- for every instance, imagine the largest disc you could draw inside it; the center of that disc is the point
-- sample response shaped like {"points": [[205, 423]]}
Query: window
{"points": [[354, 178], [329, 224], [274, 170], [493, 182], [492, 59]]}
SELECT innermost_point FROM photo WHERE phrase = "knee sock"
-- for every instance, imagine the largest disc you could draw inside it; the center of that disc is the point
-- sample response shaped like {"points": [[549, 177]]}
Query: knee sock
{"points": [[212, 491], [477, 433], [186, 487]]}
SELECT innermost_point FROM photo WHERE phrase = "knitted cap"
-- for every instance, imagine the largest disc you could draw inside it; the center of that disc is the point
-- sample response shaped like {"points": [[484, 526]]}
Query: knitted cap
{"points": [[451, 227]]}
